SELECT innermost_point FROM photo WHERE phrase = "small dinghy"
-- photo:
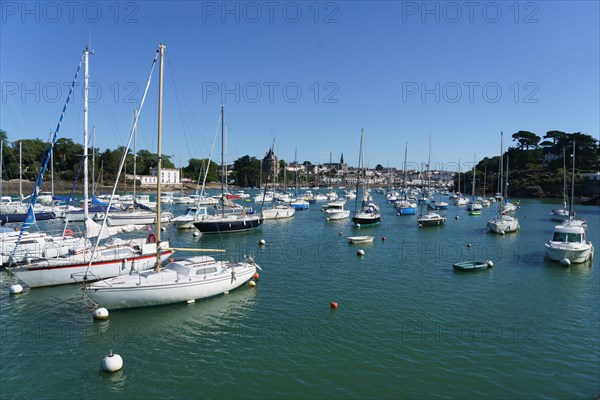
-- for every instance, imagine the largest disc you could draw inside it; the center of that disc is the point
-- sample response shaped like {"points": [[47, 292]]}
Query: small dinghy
{"points": [[360, 239], [472, 265]]}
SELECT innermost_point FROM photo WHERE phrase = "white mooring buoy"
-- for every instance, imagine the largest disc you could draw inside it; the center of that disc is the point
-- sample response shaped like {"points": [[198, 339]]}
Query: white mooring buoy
{"points": [[100, 313], [196, 233], [262, 242], [16, 289], [360, 252], [489, 263], [112, 362]]}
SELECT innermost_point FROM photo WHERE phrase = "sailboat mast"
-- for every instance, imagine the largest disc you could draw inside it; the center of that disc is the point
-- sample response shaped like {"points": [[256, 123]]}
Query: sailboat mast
{"points": [[572, 186], [429, 167], [223, 167], [93, 160], [360, 154], [564, 178], [473, 183], [162, 48], [458, 187], [135, 156], [21, 170], [484, 179], [86, 77], [500, 184], [51, 170], [404, 188], [506, 181]]}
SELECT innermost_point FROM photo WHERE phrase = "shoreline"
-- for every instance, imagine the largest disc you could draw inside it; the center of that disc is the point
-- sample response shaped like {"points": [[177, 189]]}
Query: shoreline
{"points": [[64, 188]]}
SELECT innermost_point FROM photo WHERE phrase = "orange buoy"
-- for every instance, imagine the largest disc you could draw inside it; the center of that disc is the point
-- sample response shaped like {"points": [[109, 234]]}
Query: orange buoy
{"points": [[333, 305], [68, 232], [255, 276]]}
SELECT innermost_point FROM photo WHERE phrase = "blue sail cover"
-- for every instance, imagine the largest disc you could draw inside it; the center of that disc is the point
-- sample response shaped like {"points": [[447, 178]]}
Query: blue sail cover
{"points": [[98, 202], [30, 218]]}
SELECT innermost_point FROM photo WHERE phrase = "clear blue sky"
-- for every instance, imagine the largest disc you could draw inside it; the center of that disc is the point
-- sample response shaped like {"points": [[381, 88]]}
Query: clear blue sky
{"points": [[458, 71]]}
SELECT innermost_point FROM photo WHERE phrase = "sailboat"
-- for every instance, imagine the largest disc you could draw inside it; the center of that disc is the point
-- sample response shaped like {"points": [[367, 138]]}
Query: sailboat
{"points": [[474, 207], [229, 217], [276, 210], [298, 202], [459, 199], [85, 263], [180, 281], [502, 223], [562, 214], [568, 244], [368, 214], [404, 206], [16, 212], [431, 218]]}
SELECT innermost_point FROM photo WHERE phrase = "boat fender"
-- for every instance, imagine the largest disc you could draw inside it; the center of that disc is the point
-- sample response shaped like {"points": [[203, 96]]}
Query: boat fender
{"points": [[152, 238], [69, 232], [16, 289], [565, 262], [490, 263]]}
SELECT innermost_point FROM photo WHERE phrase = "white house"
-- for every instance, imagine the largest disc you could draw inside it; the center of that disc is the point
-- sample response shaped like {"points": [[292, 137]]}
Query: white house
{"points": [[168, 177]]}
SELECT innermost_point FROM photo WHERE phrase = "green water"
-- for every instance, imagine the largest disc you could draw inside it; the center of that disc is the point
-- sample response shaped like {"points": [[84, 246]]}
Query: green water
{"points": [[407, 325]]}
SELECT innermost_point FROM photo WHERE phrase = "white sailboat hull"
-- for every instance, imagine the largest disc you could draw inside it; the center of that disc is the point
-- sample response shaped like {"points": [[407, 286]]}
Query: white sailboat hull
{"points": [[503, 224], [168, 286], [120, 219], [278, 212], [111, 262]]}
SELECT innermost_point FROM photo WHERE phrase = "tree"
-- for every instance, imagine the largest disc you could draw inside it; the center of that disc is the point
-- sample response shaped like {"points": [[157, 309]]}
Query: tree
{"points": [[3, 137], [379, 168], [526, 140], [556, 136], [196, 169], [246, 171]]}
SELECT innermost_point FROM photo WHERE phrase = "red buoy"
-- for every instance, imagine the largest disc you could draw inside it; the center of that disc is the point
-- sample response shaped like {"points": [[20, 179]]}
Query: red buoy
{"points": [[255, 276], [334, 305]]}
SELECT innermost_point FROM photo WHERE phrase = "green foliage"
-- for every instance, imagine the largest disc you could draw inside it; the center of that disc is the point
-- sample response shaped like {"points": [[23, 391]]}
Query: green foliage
{"points": [[196, 168], [526, 140], [246, 171]]}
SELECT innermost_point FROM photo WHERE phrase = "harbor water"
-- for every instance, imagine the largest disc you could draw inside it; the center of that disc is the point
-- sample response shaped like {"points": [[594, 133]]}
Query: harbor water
{"points": [[407, 325]]}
